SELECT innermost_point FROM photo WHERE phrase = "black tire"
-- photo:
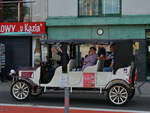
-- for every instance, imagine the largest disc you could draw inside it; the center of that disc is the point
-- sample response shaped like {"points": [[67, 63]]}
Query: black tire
{"points": [[20, 90], [132, 93], [118, 94], [39, 92]]}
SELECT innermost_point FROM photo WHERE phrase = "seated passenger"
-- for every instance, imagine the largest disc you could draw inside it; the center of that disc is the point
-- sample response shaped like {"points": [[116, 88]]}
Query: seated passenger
{"points": [[110, 58], [101, 51], [91, 59], [101, 56]]}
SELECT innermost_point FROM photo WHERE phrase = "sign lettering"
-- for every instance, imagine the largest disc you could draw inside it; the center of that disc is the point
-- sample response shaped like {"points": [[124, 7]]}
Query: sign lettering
{"points": [[32, 27]]}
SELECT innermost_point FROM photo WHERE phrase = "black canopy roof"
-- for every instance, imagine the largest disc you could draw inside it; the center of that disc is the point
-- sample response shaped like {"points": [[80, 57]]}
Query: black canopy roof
{"points": [[123, 55]]}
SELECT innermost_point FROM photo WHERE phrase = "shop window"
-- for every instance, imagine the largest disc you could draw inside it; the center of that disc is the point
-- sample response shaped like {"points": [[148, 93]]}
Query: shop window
{"points": [[14, 11], [11, 12], [37, 53], [99, 7]]}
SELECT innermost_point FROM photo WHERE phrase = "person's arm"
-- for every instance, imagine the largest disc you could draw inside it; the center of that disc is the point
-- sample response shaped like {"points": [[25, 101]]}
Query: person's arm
{"points": [[54, 50], [112, 64], [103, 52], [107, 58], [93, 59], [101, 57], [86, 60]]}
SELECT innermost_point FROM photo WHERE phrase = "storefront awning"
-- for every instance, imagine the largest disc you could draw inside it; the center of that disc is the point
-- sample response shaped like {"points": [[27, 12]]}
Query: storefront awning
{"points": [[16, 34], [20, 34]]}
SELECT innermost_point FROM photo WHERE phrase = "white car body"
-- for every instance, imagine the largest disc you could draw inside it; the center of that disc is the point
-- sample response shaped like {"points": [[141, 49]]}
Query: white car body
{"points": [[76, 78], [119, 84]]}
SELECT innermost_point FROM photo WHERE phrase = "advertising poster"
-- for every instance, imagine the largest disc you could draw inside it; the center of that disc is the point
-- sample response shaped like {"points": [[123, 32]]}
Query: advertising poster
{"points": [[89, 80], [27, 74]]}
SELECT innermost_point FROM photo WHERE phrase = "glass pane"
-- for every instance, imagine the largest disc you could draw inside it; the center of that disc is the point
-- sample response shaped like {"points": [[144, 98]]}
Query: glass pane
{"points": [[88, 7], [148, 34], [10, 12], [26, 12], [44, 51], [111, 6]]}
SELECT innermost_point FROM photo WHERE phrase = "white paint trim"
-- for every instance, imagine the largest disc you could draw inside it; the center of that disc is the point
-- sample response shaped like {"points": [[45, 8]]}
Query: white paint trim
{"points": [[73, 108]]}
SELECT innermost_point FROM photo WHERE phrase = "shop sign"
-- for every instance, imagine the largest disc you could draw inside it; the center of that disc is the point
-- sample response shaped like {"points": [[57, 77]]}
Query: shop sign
{"points": [[32, 27]]}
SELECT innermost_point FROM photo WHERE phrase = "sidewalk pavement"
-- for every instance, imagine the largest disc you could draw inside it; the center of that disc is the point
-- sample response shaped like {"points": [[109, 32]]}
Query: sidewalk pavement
{"points": [[142, 88], [5, 86], [36, 109]]}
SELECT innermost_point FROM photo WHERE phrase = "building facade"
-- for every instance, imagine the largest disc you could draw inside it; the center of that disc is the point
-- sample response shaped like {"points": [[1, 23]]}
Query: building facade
{"points": [[39, 13], [105, 20], [18, 18]]}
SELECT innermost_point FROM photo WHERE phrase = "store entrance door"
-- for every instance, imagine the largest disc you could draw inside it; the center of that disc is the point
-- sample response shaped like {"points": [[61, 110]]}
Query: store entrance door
{"points": [[18, 51]]}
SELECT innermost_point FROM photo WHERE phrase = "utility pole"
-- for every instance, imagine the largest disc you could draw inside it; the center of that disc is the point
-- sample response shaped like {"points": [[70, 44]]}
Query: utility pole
{"points": [[64, 71]]}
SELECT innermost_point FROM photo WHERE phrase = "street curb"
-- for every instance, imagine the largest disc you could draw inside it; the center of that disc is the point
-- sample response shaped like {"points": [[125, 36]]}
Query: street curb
{"points": [[78, 109]]}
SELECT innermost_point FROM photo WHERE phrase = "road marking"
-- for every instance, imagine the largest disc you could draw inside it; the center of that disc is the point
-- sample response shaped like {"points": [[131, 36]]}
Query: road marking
{"points": [[71, 108]]}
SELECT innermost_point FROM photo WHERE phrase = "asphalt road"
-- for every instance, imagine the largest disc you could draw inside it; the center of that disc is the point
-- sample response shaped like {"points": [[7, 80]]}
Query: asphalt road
{"points": [[138, 103]]}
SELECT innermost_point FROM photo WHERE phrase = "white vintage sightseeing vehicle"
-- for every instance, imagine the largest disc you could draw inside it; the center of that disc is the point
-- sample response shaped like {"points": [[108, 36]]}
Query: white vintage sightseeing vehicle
{"points": [[118, 84]]}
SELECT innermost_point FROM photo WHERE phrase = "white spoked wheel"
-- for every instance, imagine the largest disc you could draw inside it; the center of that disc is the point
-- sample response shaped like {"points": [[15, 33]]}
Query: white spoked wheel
{"points": [[118, 95], [20, 90]]}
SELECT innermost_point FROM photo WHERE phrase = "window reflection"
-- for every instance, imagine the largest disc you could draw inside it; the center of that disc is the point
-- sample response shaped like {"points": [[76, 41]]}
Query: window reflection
{"points": [[98, 7], [89, 7], [13, 11], [111, 6]]}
